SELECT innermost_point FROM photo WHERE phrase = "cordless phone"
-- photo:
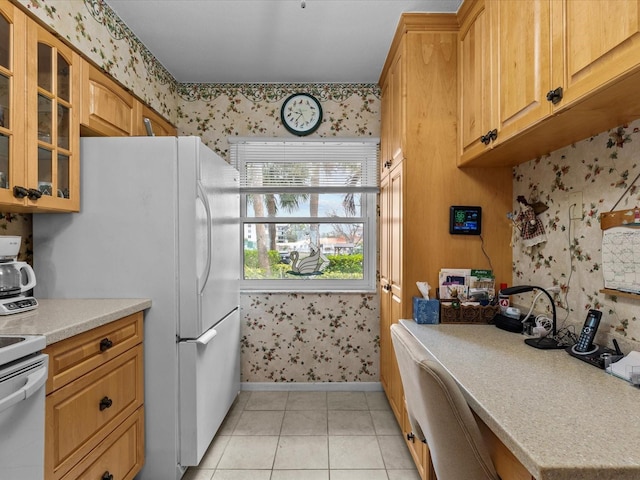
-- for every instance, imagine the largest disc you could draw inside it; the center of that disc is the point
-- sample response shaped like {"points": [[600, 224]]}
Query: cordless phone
{"points": [[588, 333]]}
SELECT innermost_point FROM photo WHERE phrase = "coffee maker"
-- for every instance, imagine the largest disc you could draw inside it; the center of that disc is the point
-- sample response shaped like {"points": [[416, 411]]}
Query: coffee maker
{"points": [[16, 278]]}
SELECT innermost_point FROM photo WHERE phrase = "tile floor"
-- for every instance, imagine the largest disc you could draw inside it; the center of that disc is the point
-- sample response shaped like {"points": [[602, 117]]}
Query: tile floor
{"points": [[307, 436]]}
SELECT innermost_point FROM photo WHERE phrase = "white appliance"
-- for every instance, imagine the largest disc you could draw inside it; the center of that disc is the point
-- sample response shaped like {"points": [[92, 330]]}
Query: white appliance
{"points": [[16, 278], [23, 374], [159, 219]]}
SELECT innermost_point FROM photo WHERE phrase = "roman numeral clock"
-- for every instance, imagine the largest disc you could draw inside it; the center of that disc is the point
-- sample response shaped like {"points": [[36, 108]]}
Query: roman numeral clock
{"points": [[301, 114]]}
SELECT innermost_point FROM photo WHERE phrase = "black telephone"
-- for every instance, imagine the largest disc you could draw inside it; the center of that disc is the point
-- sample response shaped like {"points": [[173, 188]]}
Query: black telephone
{"points": [[588, 333]]}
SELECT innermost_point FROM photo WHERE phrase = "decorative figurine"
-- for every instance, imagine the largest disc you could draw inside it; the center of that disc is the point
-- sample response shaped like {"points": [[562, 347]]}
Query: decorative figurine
{"points": [[530, 226]]}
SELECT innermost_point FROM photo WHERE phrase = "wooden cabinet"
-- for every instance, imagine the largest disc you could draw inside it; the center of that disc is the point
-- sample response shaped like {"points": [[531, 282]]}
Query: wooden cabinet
{"points": [[107, 109], [158, 125], [474, 78], [39, 134], [417, 190], [560, 71], [94, 405], [392, 116], [13, 30], [504, 71], [595, 42]]}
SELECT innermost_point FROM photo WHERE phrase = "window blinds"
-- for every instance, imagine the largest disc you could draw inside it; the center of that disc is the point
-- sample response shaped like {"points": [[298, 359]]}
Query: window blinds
{"points": [[276, 165]]}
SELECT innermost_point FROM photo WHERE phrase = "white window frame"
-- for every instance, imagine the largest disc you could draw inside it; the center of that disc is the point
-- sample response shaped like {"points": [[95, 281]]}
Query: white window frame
{"points": [[368, 190]]}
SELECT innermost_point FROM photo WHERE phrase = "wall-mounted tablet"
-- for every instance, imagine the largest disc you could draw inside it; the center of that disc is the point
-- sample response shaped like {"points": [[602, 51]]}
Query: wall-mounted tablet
{"points": [[465, 220]]}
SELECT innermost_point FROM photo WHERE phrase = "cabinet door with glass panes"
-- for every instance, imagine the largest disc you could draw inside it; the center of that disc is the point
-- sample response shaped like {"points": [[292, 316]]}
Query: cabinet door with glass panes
{"points": [[12, 101], [53, 127]]}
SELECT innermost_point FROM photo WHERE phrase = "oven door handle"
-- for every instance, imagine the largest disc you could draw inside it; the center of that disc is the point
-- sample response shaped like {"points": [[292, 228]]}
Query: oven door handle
{"points": [[34, 381]]}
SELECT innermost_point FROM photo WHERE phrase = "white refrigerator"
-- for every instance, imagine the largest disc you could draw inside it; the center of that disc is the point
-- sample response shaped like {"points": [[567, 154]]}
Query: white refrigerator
{"points": [[159, 219]]}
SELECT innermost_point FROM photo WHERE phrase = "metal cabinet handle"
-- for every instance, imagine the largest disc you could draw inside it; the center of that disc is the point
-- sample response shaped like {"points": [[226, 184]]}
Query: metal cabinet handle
{"points": [[554, 96], [20, 192], [106, 476], [411, 437], [105, 344], [34, 194], [105, 403]]}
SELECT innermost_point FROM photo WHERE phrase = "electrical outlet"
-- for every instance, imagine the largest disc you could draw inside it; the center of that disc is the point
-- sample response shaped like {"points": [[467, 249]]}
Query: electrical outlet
{"points": [[575, 205]]}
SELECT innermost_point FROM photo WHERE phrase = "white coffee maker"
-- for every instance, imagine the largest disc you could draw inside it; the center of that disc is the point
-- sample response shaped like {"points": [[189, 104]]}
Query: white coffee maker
{"points": [[16, 278]]}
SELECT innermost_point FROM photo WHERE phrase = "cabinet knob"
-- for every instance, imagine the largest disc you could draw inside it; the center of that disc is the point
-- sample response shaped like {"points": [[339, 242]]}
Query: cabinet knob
{"points": [[554, 96], [20, 192], [489, 137], [105, 344], [411, 437], [387, 164], [106, 476], [34, 194], [105, 403]]}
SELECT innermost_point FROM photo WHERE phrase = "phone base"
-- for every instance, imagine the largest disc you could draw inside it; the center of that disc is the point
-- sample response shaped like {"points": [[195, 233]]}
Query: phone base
{"points": [[595, 358], [544, 343]]}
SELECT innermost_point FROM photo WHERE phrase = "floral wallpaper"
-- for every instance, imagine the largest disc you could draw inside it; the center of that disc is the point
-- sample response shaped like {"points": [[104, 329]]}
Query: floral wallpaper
{"points": [[602, 168], [310, 338], [292, 337]]}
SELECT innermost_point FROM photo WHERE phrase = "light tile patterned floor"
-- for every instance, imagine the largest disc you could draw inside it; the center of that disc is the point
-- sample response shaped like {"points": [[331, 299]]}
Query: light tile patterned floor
{"points": [[307, 436]]}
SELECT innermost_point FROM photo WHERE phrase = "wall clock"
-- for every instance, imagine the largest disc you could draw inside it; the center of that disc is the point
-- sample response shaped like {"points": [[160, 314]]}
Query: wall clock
{"points": [[301, 114]]}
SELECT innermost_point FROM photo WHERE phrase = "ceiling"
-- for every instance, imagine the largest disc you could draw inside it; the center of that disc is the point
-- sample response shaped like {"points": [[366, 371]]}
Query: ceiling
{"points": [[271, 41]]}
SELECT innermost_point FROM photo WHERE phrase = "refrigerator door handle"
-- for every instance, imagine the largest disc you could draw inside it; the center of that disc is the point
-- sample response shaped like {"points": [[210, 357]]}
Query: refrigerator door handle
{"points": [[202, 281], [205, 338]]}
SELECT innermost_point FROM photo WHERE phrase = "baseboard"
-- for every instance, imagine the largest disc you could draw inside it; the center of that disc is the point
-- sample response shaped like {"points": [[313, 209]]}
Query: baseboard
{"points": [[312, 387]]}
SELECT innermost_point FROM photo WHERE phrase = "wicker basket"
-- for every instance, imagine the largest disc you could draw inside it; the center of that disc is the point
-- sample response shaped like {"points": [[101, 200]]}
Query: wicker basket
{"points": [[467, 313]]}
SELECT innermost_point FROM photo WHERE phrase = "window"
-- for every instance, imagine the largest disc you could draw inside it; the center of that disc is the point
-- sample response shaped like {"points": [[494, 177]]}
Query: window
{"points": [[308, 211]]}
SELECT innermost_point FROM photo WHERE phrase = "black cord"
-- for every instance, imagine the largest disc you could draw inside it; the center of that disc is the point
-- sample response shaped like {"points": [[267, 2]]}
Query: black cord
{"points": [[485, 254]]}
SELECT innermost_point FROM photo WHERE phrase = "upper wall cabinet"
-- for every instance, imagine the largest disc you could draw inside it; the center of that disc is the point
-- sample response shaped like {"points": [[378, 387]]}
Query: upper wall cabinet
{"points": [[150, 123], [504, 71], [12, 101], [535, 75], [107, 108], [39, 135], [595, 42], [53, 133]]}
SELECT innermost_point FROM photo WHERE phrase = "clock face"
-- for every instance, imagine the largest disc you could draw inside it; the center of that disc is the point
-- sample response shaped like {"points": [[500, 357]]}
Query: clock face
{"points": [[301, 114]]}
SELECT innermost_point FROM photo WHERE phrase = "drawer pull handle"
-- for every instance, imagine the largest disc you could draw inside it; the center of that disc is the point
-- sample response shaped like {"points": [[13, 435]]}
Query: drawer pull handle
{"points": [[105, 403], [105, 344], [106, 476]]}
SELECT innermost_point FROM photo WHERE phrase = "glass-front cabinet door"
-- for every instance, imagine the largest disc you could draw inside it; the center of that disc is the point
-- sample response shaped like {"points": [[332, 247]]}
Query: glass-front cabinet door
{"points": [[53, 128], [12, 101]]}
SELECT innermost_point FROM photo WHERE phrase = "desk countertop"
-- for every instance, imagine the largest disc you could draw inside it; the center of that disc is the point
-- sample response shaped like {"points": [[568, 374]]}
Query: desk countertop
{"points": [[562, 418], [64, 318]]}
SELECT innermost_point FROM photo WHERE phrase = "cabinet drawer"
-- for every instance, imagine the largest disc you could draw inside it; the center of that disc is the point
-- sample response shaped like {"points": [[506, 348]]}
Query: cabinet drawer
{"points": [[72, 358], [80, 415], [121, 454]]}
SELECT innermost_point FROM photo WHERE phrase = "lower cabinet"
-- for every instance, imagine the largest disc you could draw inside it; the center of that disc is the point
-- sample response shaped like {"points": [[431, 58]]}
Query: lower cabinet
{"points": [[94, 421], [418, 449]]}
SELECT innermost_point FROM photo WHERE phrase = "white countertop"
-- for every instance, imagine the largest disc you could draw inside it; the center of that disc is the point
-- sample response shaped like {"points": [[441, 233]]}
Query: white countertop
{"points": [[58, 319], [562, 418]]}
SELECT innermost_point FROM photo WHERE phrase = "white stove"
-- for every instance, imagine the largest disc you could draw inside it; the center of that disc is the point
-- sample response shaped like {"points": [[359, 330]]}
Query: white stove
{"points": [[15, 347]]}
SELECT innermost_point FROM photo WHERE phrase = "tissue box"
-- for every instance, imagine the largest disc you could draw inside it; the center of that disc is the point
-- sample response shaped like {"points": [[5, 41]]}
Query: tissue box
{"points": [[426, 311]]}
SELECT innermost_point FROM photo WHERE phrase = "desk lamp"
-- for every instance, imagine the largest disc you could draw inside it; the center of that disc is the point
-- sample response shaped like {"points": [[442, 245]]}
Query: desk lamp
{"points": [[544, 343]]}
